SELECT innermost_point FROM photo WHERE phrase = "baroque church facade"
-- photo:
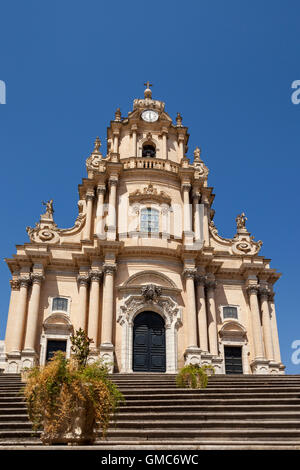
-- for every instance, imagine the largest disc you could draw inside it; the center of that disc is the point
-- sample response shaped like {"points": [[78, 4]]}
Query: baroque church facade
{"points": [[144, 270]]}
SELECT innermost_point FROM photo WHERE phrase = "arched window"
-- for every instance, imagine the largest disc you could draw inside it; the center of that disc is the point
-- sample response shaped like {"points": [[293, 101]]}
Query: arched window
{"points": [[149, 220], [148, 151]]}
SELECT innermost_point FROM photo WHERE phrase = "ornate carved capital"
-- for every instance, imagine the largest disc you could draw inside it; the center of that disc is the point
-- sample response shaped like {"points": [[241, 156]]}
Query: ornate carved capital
{"points": [[253, 289], [210, 284], [101, 189], [90, 195], [37, 278], [83, 279], [113, 182], [25, 281], [271, 296], [264, 292], [14, 284], [186, 187], [189, 273], [200, 279], [109, 269], [151, 292], [95, 276]]}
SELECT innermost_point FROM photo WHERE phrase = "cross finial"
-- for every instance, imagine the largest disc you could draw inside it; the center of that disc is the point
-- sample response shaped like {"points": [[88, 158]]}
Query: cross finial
{"points": [[148, 92]]}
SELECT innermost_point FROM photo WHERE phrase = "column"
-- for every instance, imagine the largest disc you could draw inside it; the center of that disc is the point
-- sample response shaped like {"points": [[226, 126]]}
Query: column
{"points": [[98, 231], [89, 213], [256, 325], [20, 316], [111, 218], [83, 282], [205, 219], [212, 317], [276, 346], [108, 304], [93, 323], [189, 274], [33, 313], [181, 139], [196, 215], [187, 223], [266, 323], [116, 142], [165, 143], [202, 318], [134, 131]]}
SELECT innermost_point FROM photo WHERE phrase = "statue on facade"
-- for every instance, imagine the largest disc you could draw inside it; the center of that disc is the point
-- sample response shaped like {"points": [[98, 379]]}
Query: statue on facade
{"points": [[241, 221], [49, 208]]}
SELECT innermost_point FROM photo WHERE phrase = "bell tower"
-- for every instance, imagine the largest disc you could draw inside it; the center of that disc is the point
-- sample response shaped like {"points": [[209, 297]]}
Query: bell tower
{"points": [[147, 132]]}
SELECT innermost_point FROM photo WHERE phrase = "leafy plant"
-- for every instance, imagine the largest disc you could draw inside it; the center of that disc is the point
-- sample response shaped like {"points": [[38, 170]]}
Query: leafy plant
{"points": [[194, 376], [56, 391], [81, 346]]}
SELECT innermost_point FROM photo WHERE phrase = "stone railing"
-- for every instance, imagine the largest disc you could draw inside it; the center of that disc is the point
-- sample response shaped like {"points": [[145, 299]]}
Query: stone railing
{"points": [[151, 163]]}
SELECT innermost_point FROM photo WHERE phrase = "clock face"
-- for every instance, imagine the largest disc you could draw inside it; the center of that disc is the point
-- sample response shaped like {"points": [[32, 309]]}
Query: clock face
{"points": [[149, 115]]}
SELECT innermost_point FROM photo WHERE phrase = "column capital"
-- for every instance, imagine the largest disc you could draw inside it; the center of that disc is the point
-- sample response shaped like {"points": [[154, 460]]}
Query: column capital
{"points": [[196, 195], [83, 279], [271, 296], [210, 284], [189, 273], [252, 289], [25, 281], [109, 268], [101, 189], [95, 276], [264, 292], [37, 278], [186, 186], [200, 279], [15, 284], [90, 194], [113, 181]]}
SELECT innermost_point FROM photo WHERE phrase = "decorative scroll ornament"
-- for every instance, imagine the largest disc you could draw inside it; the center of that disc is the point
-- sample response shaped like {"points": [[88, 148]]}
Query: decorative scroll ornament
{"points": [[94, 160], [46, 231], [199, 165], [149, 192], [241, 244], [151, 292]]}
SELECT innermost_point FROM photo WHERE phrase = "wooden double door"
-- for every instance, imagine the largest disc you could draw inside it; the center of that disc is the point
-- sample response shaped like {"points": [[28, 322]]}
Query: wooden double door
{"points": [[149, 343]]}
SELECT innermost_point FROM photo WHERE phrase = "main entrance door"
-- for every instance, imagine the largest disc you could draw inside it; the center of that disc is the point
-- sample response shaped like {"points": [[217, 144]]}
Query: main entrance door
{"points": [[149, 345], [233, 360], [53, 346]]}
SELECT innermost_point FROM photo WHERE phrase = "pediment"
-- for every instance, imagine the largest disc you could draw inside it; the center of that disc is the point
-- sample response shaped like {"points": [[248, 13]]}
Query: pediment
{"points": [[149, 277]]}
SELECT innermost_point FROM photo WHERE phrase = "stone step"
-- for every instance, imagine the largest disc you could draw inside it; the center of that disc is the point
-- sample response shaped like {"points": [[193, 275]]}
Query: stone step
{"points": [[199, 424], [208, 408], [201, 395], [220, 401], [212, 391], [293, 433], [203, 416]]}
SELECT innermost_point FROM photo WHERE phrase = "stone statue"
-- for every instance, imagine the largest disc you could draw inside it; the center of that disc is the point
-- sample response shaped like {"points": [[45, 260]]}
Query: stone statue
{"points": [[241, 221], [49, 208]]}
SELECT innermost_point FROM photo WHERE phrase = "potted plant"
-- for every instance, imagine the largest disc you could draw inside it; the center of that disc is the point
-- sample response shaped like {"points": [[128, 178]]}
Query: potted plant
{"points": [[69, 398], [194, 376]]}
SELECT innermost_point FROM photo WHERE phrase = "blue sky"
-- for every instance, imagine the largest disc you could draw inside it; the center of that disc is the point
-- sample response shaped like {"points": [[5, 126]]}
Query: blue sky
{"points": [[226, 66]]}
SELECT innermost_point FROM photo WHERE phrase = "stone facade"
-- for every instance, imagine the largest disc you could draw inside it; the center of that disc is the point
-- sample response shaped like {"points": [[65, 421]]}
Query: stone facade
{"points": [[144, 240]]}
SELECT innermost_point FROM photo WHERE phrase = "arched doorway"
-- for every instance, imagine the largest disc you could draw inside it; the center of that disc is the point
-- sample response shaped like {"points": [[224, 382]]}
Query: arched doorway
{"points": [[149, 344]]}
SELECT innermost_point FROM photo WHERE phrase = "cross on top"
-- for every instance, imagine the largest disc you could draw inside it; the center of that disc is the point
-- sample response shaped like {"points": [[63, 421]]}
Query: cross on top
{"points": [[148, 84]]}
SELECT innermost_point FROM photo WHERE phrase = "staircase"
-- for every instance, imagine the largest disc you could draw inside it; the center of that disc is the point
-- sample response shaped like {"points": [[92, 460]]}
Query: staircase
{"points": [[233, 412]]}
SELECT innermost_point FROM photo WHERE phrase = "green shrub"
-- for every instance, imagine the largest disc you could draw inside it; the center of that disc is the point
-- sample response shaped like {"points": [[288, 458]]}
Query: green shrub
{"points": [[194, 376]]}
